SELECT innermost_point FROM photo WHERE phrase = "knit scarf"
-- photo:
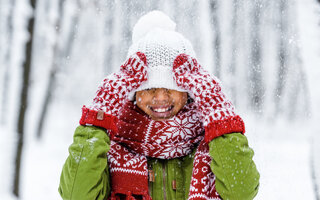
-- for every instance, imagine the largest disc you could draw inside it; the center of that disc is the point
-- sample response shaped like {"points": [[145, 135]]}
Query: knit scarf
{"points": [[139, 137]]}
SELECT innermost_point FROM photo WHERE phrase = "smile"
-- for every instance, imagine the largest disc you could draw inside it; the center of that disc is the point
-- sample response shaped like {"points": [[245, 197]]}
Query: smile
{"points": [[161, 109]]}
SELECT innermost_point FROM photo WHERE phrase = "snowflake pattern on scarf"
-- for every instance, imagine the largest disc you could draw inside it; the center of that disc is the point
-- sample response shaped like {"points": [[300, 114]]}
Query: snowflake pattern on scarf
{"points": [[140, 137]]}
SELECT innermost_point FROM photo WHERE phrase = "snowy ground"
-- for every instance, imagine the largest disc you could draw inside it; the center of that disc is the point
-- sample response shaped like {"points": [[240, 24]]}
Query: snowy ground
{"points": [[282, 154], [43, 160], [283, 157]]}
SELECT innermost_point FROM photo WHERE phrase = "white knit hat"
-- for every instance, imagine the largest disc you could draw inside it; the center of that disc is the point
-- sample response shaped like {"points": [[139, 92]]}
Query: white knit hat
{"points": [[154, 35]]}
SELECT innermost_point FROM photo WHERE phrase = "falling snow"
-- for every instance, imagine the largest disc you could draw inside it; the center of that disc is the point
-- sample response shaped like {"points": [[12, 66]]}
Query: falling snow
{"points": [[282, 130]]}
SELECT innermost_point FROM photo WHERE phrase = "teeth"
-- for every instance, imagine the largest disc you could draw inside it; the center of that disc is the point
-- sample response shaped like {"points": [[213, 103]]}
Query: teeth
{"points": [[161, 109]]}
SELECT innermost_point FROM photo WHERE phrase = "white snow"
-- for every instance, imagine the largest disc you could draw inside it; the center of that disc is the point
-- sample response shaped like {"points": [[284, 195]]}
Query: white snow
{"points": [[283, 149], [282, 155]]}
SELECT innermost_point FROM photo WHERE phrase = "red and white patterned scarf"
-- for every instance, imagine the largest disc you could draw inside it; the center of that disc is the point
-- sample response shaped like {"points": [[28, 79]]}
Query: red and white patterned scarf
{"points": [[139, 137]]}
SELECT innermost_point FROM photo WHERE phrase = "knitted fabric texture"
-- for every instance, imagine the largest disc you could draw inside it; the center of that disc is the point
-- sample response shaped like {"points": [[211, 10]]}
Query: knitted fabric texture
{"points": [[216, 111], [154, 34], [161, 58], [140, 137], [113, 92]]}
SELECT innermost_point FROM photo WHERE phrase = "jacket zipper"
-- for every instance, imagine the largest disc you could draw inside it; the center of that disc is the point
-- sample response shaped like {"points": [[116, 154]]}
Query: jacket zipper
{"points": [[164, 180]]}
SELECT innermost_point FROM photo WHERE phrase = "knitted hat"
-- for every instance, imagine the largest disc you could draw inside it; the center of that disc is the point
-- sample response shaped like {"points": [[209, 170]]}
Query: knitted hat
{"points": [[154, 35]]}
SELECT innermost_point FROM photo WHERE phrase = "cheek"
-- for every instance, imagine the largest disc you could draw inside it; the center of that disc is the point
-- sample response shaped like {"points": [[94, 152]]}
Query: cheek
{"points": [[182, 99], [141, 102], [138, 99]]}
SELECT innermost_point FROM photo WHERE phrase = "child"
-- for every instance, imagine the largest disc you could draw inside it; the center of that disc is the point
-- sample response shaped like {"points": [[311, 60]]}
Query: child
{"points": [[160, 128]]}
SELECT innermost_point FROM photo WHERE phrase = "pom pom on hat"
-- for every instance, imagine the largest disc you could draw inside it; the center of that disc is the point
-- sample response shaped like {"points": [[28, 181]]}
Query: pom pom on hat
{"points": [[152, 20]]}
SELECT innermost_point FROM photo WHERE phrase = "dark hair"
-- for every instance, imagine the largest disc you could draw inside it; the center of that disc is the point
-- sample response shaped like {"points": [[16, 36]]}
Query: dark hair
{"points": [[189, 100]]}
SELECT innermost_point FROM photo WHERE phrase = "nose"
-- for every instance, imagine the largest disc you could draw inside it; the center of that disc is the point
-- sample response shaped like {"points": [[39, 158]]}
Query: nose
{"points": [[161, 94]]}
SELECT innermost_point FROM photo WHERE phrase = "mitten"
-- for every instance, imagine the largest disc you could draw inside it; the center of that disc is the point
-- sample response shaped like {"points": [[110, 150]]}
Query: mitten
{"points": [[216, 111], [113, 93]]}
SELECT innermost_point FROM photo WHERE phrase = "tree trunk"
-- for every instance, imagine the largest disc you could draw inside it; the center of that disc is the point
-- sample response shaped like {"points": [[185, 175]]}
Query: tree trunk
{"points": [[282, 54], [299, 94], [23, 102], [59, 53], [52, 76], [234, 49], [7, 57], [109, 32], [255, 72], [152, 4], [300, 91], [216, 38], [66, 52], [126, 27], [314, 162]]}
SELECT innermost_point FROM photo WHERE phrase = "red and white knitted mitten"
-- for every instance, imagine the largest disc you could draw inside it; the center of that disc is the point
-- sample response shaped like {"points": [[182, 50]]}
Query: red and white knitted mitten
{"points": [[216, 112], [113, 92]]}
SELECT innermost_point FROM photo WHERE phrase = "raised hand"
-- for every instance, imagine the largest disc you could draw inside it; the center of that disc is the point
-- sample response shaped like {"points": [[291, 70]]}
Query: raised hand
{"points": [[114, 91], [216, 111]]}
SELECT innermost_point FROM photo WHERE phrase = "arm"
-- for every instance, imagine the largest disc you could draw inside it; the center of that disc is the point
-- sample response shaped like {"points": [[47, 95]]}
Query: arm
{"points": [[236, 174], [216, 112], [114, 92], [85, 173]]}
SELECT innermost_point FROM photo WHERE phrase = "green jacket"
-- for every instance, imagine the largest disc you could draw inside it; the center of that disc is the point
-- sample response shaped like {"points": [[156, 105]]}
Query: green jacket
{"points": [[85, 174]]}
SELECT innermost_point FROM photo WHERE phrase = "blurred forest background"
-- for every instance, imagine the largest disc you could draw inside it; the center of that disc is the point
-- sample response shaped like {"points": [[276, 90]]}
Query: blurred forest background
{"points": [[54, 54]]}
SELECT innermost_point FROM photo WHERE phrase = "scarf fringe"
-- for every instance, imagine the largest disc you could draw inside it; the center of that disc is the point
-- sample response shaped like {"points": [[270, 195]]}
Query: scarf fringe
{"points": [[129, 196]]}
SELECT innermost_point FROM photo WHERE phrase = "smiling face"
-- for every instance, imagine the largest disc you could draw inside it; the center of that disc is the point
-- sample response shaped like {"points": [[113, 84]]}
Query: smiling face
{"points": [[161, 103]]}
